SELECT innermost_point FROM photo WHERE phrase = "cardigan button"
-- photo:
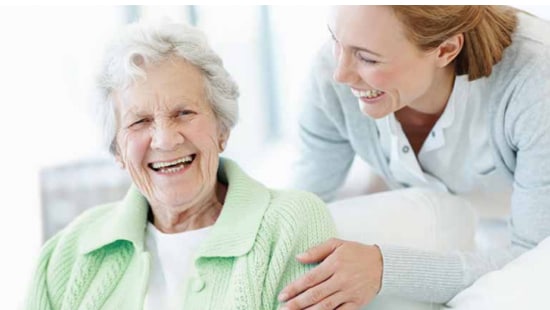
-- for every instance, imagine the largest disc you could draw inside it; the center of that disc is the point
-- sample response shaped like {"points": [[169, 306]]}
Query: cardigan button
{"points": [[198, 285]]}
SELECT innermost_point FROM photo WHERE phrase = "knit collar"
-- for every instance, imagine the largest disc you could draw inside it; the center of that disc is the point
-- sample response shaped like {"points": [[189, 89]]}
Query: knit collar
{"points": [[233, 234]]}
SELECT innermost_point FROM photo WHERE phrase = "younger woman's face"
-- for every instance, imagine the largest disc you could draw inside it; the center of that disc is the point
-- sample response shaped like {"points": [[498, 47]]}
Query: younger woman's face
{"points": [[383, 69]]}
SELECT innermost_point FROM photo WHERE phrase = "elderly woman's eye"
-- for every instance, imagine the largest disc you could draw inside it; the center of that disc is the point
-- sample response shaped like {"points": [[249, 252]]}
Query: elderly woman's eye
{"points": [[185, 112], [138, 122]]}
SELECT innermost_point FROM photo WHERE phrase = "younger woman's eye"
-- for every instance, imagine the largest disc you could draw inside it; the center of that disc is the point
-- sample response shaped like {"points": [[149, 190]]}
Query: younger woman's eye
{"points": [[367, 60]]}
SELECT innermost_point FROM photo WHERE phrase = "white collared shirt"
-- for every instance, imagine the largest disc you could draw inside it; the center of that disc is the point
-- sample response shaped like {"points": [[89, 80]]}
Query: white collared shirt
{"points": [[171, 265], [455, 157]]}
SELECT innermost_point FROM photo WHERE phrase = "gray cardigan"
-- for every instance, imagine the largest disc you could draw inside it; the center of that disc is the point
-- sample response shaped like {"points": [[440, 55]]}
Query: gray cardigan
{"points": [[333, 131]]}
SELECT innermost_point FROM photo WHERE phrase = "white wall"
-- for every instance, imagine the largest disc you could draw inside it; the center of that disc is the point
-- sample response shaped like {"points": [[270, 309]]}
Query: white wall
{"points": [[44, 118]]}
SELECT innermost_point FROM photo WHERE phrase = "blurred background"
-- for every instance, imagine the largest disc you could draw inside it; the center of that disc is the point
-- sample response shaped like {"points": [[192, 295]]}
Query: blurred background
{"points": [[54, 164]]}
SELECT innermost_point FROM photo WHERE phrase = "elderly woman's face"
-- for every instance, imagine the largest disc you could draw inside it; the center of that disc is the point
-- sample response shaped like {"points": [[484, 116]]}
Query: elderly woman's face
{"points": [[168, 136]]}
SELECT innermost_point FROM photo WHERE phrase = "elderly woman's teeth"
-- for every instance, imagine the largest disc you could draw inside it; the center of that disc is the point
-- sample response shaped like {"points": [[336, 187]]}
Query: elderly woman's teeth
{"points": [[371, 93], [172, 166]]}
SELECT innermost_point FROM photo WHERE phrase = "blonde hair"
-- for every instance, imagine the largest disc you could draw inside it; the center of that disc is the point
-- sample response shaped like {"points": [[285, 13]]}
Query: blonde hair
{"points": [[487, 32]]}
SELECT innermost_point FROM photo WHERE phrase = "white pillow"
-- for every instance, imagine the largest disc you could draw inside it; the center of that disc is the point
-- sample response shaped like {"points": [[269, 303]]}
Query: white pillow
{"points": [[522, 284], [418, 218]]}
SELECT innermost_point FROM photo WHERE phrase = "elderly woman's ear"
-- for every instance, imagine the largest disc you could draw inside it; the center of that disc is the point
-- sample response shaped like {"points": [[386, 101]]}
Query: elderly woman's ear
{"points": [[119, 161], [118, 158], [222, 140]]}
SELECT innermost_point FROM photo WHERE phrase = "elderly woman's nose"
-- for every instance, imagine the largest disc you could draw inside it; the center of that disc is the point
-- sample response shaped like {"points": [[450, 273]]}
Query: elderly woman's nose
{"points": [[166, 137]]}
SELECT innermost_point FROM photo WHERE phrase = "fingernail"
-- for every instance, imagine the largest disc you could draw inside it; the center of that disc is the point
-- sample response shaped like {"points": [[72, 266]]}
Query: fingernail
{"points": [[283, 297]]}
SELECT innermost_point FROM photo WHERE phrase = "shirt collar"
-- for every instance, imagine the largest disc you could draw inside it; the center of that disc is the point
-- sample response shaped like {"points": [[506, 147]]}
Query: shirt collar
{"points": [[389, 123], [233, 234], [127, 221]]}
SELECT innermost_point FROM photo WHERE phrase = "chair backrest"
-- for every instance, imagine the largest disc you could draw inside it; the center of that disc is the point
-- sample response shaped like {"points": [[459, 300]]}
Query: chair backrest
{"points": [[67, 190]]}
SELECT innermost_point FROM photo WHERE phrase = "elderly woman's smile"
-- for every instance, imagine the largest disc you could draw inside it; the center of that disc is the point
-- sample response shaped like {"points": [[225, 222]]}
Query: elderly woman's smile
{"points": [[172, 166]]}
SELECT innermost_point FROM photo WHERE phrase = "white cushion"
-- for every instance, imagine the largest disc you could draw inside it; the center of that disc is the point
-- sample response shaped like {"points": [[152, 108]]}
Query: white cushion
{"points": [[521, 284], [418, 218]]}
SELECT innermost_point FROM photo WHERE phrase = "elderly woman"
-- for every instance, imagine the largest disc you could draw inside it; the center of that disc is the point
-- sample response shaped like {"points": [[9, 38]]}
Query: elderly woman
{"points": [[194, 231]]}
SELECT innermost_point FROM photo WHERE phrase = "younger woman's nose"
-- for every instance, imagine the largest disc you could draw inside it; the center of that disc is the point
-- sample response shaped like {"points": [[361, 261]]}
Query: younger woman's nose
{"points": [[344, 71]]}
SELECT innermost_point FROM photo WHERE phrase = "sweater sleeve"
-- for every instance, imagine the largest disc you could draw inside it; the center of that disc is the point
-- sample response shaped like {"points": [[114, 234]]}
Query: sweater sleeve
{"points": [[325, 155], [300, 221], [527, 127], [38, 296]]}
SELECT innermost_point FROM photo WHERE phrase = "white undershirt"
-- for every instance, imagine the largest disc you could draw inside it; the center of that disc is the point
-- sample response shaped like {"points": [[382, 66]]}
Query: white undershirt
{"points": [[456, 156], [172, 263]]}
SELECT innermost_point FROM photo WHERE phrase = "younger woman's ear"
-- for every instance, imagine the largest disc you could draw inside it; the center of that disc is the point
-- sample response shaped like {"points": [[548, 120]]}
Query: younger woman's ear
{"points": [[449, 49]]}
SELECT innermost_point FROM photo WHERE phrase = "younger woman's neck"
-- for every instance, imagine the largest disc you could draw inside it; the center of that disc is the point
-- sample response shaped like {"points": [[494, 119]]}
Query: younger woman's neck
{"points": [[432, 105]]}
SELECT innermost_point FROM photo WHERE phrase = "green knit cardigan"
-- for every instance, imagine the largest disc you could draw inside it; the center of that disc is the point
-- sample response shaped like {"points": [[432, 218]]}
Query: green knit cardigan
{"points": [[99, 260]]}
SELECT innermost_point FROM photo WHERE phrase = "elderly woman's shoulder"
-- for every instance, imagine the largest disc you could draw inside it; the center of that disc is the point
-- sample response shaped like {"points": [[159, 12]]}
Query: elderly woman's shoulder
{"points": [[296, 197], [89, 221], [297, 204], [93, 215], [297, 217]]}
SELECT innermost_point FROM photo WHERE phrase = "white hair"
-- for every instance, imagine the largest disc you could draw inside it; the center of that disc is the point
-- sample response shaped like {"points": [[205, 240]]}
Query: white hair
{"points": [[139, 44]]}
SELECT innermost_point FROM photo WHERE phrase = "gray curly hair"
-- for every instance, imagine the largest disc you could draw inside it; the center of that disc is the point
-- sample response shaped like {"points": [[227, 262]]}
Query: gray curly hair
{"points": [[139, 44]]}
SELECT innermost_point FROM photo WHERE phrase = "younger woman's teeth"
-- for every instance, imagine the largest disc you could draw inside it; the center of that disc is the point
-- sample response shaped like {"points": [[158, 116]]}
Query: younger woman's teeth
{"points": [[371, 93]]}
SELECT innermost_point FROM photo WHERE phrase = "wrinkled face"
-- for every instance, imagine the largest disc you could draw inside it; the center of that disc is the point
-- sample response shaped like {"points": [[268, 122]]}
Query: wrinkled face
{"points": [[168, 137], [384, 70]]}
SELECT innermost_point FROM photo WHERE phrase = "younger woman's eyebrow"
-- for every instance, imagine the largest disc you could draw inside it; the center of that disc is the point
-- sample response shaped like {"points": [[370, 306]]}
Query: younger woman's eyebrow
{"points": [[358, 48]]}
